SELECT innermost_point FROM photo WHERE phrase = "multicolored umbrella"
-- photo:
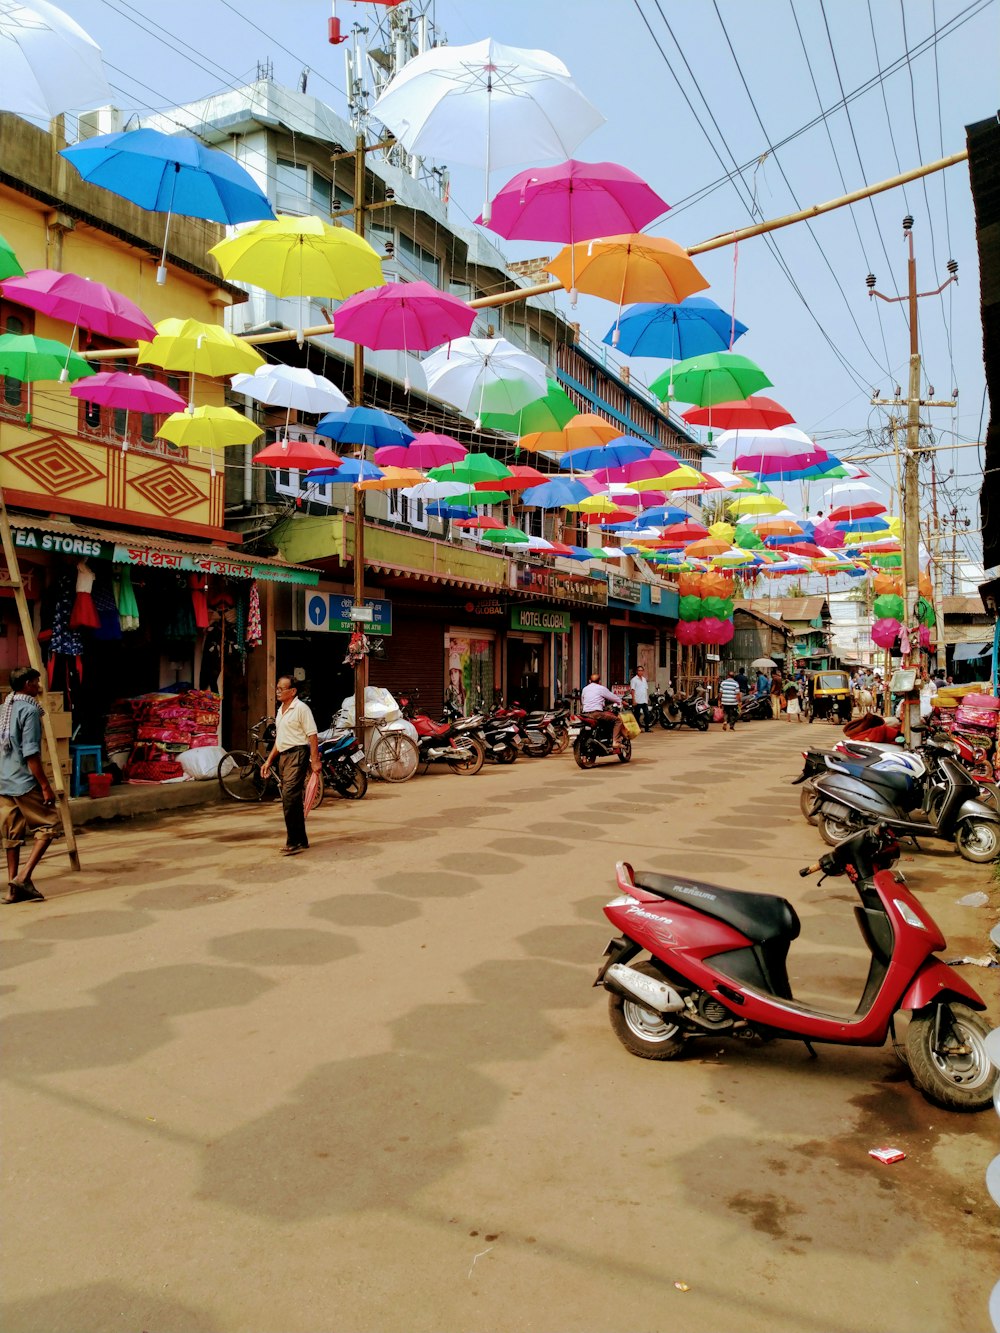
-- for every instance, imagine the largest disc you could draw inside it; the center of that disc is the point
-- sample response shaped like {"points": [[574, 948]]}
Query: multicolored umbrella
{"points": [[673, 332], [551, 412], [408, 316], [585, 430]]}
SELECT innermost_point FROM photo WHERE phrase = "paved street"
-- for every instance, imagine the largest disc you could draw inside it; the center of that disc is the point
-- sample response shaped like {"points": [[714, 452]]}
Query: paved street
{"points": [[371, 1088]]}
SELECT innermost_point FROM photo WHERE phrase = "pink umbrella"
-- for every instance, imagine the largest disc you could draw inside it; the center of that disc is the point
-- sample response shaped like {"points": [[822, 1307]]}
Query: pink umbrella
{"points": [[404, 316], [133, 393], [658, 465], [424, 450], [573, 201], [80, 302]]}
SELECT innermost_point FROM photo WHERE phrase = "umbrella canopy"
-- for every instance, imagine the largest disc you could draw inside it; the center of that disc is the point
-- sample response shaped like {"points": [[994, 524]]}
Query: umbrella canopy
{"points": [[660, 514], [865, 509], [873, 524], [585, 430], [486, 105], [203, 349], [296, 454], [573, 201], [717, 377], [473, 468], [674, 332], [658, 463], [209, 428], [30, 359], [850, 493], [429, 491], [555, 494], [133, 393], [794, 467], [424, 450], [782, 442], [746, 505], [683, 478], [549, 413], [763, 663], [290, 387], [78, 301], [479, 375], [629, 267], [365, 426], [347, 473], [621, 451], [707, 547], [411, 316], [596, 504], [506, 536], [520, 479], [753, 413], [9, 266], [480, 523], [393, 479], [777, 527], [300, 256], [50, 64]]}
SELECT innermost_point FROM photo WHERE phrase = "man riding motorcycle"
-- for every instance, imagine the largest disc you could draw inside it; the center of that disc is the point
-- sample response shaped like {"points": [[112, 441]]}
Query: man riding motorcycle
{"points": [[593, 697]]}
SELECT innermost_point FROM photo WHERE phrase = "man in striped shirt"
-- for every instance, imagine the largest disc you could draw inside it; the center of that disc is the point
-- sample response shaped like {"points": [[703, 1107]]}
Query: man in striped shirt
{"points": [[729, 698]]}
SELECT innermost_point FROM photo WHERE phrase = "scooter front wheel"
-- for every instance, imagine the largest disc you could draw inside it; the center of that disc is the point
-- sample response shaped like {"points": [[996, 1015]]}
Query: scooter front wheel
{"points": [[978, 840], [807, 802], [956, 1072], [643, 1031], [584, 755]]}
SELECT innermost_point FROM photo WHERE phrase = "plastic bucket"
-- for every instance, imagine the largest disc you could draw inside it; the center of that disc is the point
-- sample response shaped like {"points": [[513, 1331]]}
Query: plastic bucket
{"points": [[99, 784]]}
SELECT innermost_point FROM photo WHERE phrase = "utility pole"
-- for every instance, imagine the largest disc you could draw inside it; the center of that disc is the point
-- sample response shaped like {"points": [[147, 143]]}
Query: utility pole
{"points": [[911, 470]]}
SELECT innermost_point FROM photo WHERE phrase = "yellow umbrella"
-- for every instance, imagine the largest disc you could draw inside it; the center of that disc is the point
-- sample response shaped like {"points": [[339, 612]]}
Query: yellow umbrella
{"points": [[725, 532], [683, 478], [209, 428], [392, 479], [200, 349], [292, 256], [584, 431], [757, 504], [595, 504]]}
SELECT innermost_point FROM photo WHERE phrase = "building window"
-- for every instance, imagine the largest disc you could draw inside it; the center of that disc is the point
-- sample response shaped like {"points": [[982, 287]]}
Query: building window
{"points": [[422, 261], [302, 190], [15, 320]]}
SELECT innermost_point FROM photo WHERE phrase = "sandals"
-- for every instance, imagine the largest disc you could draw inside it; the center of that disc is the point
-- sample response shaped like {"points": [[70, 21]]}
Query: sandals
{"points": [[21, 893]]}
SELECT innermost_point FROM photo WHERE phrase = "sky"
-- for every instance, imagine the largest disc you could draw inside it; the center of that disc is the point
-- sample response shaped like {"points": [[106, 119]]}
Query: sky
{"points": [[691, 90]]}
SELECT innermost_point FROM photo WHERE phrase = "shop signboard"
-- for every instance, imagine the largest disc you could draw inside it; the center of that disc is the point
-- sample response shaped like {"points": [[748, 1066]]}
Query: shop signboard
{"points": [[332, 613], [623, 589], [534, 578], [539, 619], [59, 543]]}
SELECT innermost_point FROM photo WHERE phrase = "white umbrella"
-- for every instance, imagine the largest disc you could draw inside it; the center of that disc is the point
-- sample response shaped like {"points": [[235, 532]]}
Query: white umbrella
{"points": [[487, 104], [850, 493], [291, 386], [49, 63], [479, 375], [784, 442], [436, 490]]}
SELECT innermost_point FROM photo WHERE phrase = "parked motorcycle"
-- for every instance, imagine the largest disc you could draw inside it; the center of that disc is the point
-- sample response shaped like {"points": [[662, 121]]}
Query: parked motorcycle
{"points": [[594, 742], [756, 708], [693, 712], [500, 740], [717, 966], [536, 742], [898, 773], [450, 743], [846, 804]]}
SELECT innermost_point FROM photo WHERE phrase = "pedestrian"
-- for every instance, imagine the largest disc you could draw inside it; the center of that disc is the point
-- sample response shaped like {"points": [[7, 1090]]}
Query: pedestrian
{"points": [[928, 689], [27, 804], [296, 750], [777, 693], [763, 685], [742, 680], [729, 698], [639, 686], [793, 707]]}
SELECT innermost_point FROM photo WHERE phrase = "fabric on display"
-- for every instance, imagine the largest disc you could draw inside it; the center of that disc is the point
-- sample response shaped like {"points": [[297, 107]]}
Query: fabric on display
{"points": [[107, 612], [199, 599], [128, 607], [255, 636]]}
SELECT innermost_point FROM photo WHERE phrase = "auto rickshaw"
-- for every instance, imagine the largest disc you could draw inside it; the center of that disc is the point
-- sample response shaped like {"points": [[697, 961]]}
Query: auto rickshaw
{"points": [[829, 696]]}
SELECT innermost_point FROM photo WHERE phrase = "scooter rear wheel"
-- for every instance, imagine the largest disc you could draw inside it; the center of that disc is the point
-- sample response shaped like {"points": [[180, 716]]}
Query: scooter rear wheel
{"points": [[978, 840], [960, 1079], [584, 755], [625, 750], [834, 830], [643, 1031], [807, 802]]}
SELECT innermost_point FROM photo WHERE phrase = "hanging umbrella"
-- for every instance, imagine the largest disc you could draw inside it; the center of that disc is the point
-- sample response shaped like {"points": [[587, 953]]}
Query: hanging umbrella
{"points": [[290, 387], [9, 267], [864, 509], [520, 479], [49, 63], [80, 302], [30, 359], [621, 451], [675, 332], [424, 450], [707, 547], [506, 537], [756, 504], [717, 377], [209, 428], [409, 316], [555, 494], [753, 413], [595, 504], [784, 441], [347, 473], [660, 514], [585, 430], [299, 454], [627, 268], [777, 527], [132, 393], [472, 497], [429, 491], [300, 256], [473, 468], [364, 426], [850, 493], [658, 463], [549, 413], [873, 524], [479, 523], [683, 478], [574, 201], [200, 349], [796, 467], [170, 173], [479, 375], [393, 479], [486, 105]]}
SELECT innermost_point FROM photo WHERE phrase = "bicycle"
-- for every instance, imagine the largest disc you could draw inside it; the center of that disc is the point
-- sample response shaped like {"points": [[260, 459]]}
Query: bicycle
{"points": [[393, 757], [239, 771]]}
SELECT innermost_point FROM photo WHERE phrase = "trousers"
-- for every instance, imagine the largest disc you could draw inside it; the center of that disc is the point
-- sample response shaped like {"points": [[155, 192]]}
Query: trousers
{"points": [[293, 769]]}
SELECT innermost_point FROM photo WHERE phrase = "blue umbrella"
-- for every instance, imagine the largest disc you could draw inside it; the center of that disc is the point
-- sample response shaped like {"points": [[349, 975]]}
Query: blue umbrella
{"points": [[626, 449], [675, 332], [862, 525], [350, 471], [655, 517], [438, 509], [555, 494], [365, 426], [170, 173]]}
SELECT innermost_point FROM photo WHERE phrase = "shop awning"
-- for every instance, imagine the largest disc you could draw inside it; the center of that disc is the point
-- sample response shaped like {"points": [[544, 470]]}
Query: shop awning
{"points": [[968, 652], [59, 536]]}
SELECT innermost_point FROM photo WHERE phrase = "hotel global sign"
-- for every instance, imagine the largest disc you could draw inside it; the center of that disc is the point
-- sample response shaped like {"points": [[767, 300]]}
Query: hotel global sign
{"points": [[539, 619]]}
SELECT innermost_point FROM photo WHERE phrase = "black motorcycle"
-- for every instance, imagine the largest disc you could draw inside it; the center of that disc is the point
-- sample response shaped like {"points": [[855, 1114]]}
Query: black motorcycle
{"points": [[756, 708], [693, 712], [594, 742]]}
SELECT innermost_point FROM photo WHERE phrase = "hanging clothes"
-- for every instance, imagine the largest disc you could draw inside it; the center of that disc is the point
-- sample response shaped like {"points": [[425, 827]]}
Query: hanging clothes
{"points": [[199, 599], [128, 607], [255, 636], [84, 613], [107, 611], [179, 628]]}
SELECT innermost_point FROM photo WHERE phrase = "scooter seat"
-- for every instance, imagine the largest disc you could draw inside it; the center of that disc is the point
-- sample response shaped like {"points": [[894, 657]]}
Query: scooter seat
{"points": [[758, 916]]}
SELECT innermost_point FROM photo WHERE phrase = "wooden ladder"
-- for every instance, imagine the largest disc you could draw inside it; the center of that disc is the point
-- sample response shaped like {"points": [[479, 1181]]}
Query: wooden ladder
{"points": [[13, 581]]}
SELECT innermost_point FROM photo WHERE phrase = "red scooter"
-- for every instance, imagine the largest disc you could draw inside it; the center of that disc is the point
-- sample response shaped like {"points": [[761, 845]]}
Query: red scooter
{"points": [[717, 967]]}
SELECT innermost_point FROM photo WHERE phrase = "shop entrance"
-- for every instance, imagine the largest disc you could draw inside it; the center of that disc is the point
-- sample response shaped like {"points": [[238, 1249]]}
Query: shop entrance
{"points": [[320, 657], [525, 671]]}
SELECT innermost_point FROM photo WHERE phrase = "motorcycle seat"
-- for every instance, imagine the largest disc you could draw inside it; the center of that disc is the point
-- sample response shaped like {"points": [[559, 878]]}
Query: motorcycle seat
{"points": [[758, 916], [425, 727]]}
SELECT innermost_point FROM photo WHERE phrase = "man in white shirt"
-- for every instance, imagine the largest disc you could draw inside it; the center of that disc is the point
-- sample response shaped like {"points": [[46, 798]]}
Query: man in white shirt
{"points": [[639, 686], [593, 697], [296, 750]]}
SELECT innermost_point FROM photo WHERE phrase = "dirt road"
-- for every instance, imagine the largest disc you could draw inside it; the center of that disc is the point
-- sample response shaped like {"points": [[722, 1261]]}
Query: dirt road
{"points": [[371, 1088]]}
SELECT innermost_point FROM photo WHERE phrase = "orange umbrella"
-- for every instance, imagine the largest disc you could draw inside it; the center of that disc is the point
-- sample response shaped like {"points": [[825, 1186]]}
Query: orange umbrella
{"points": [[585, 430], [707, 547], [777, 527], [393, 479]]}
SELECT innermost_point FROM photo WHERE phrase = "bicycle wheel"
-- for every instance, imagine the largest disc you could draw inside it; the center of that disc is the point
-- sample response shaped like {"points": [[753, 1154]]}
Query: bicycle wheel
{"points": [[240, 777], [393, 757]]}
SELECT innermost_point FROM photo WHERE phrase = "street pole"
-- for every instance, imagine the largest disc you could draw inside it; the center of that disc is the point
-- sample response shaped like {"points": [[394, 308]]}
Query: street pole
{"points": [[357, 396]]}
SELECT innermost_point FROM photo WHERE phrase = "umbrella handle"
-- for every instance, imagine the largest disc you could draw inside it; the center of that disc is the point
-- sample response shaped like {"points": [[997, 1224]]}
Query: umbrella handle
{"points": [[161, 272], [64, 373], [487, 204]]}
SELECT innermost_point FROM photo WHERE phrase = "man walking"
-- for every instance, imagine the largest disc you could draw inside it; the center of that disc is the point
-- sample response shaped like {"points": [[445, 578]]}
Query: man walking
{"points": [[27, 804], [639, 686], [296, 750], [729, 698]]}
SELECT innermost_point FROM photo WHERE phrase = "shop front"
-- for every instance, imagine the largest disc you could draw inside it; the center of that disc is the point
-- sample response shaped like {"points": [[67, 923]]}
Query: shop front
{"points": [[642, 616]]}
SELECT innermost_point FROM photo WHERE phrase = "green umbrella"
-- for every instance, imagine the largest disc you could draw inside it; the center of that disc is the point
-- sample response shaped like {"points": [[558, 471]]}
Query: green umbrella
{"points": [[25, 357], [472, 468], [9, 267], [505, 535], [549, 413], [470, 498], [717, 377], [746, 539]]}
